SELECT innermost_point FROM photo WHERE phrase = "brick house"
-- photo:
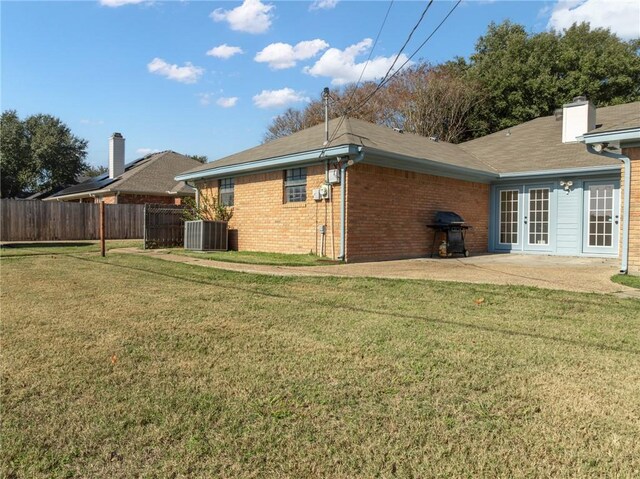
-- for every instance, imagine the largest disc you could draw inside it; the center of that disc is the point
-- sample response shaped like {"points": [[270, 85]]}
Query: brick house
{"points": [[149, 179], [369, 192]]}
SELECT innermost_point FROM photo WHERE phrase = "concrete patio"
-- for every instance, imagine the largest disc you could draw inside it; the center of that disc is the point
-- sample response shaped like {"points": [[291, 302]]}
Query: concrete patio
{"points": [[553, 272]]}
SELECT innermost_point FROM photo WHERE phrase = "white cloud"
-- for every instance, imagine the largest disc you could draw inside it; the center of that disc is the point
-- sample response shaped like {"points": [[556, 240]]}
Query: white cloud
{"points": [[323, 4], [224, 51], [621, 16], [227, 102], [187, 74], [205, 98], [278, 98], [146, 151], [120, 3], [283, 55], [341, 66], [252, 16]]}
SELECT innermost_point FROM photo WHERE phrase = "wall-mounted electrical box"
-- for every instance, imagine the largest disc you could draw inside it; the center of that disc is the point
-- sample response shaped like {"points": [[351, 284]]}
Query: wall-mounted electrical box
{"points": [[325, 191], [334, 176], [317, 196]]}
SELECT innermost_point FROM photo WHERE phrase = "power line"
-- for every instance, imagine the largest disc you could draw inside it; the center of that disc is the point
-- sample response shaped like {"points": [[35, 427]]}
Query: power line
{"points": [[415, 27], [384, 21], [386, 80]]}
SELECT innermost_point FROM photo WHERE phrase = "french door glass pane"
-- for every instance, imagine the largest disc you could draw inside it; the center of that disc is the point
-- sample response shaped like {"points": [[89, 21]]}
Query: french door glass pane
{"points": [[509, 216], [539, 216], [600, 215]]}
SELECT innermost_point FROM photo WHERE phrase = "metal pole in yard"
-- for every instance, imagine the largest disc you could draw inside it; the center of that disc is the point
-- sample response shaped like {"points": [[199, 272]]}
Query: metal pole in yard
{"points": [[102, 242]]}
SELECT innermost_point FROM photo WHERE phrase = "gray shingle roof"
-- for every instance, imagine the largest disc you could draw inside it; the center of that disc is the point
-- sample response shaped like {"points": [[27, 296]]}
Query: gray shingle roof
{"points": [[531, 146], [152, 174], [374, 138], [537, 144]]}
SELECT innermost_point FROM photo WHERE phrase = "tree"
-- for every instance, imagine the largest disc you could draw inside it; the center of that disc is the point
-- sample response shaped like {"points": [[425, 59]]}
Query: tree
{"points": [[38, 153], [527, 76], [93, 171], [200, 158]]}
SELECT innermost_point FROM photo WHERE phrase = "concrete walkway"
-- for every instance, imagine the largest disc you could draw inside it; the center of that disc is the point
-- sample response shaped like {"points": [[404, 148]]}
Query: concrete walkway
{"points": [[553, 272]]}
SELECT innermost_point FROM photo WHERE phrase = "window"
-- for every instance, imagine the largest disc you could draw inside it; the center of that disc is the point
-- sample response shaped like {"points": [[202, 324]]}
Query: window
{"points": [[225, 191], [539, 216], [295, 185], [509, 217]]}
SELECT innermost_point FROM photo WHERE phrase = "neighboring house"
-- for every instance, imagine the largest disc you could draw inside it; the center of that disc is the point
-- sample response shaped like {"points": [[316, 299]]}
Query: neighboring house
{"points": [[532, 188], [147, 180]]}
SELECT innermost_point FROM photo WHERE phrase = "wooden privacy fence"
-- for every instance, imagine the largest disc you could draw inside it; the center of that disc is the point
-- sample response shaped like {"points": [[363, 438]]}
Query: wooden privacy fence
{"points": [[163, 226], [35, 220]]}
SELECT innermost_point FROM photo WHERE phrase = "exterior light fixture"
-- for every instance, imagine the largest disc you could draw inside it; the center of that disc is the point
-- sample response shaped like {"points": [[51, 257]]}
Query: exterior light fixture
{"points": [[566, 184]]}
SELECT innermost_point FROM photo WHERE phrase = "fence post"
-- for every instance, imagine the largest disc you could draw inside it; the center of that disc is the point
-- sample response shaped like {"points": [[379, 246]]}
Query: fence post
{"points": [[102, 233]]}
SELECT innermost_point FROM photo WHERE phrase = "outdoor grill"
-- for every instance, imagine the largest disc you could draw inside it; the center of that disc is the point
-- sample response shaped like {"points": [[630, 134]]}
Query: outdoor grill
{"points": [[450, 227]]}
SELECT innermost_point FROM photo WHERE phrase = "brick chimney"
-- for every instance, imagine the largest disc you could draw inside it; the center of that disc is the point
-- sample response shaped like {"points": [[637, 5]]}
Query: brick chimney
{"points": [[578, 117], [116, 155]]}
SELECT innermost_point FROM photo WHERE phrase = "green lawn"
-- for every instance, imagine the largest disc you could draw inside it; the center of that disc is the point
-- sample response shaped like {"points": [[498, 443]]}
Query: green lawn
{"points": [[252, 257], [627, 280], [62, 247], [130, 366]]}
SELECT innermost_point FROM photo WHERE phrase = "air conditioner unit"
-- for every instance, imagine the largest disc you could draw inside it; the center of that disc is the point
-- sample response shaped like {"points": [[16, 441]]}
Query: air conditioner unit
{"points": [[334, 176]]}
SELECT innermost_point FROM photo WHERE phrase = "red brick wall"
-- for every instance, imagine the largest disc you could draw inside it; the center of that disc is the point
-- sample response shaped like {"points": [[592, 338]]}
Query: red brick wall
{"points": [[634, 211], [387, 213], [263, 222], [388, 210]]}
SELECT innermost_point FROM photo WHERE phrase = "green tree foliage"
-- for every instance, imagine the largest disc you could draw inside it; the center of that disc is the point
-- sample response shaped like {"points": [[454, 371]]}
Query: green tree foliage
{"points": [[38, 153], [93, 171], [526, 76]]}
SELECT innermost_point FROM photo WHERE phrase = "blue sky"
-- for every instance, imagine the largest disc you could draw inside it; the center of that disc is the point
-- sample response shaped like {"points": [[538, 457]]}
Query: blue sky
{"points": [[207, 77]]}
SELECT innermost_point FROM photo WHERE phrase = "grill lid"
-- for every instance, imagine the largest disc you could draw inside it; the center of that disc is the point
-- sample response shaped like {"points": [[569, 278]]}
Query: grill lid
{"points": [[448, 218]]}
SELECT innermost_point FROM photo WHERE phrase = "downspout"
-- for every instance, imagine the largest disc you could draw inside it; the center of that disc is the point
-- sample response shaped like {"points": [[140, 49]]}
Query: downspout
{"points": [[186, 182], [627, 202], [343, 203]]}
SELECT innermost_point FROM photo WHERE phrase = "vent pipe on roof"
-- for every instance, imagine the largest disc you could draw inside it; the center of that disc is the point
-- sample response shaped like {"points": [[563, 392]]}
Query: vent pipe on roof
{"points": [[578, 117], [116, 155], [325, 96]]}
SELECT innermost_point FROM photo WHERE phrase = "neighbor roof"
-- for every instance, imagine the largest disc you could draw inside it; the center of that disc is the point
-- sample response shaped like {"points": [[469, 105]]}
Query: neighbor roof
{"points": [[375, 139], [537, 144], [152, 174]]}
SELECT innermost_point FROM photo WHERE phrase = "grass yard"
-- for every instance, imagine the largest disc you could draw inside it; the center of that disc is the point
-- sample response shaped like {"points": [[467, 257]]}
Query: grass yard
{"points": [[253, 257], [627, 280], [62, 247], [131, 366]]}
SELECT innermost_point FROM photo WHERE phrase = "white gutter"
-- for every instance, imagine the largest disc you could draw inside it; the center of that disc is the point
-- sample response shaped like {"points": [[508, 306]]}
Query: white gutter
{"points": [[624, 267], [610, 136], [586, 170], [343, 202], [264, 164]]}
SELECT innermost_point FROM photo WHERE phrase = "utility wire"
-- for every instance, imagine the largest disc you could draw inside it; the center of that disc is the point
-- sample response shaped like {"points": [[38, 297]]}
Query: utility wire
{"points": [[366, 64], [395, 60], [386, 80]]}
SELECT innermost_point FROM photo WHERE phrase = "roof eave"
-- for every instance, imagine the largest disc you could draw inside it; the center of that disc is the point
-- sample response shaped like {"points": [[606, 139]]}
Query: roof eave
{"points": [[426, 166], [583, 170], [75, 196], [299, 159], [623, 136]]}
